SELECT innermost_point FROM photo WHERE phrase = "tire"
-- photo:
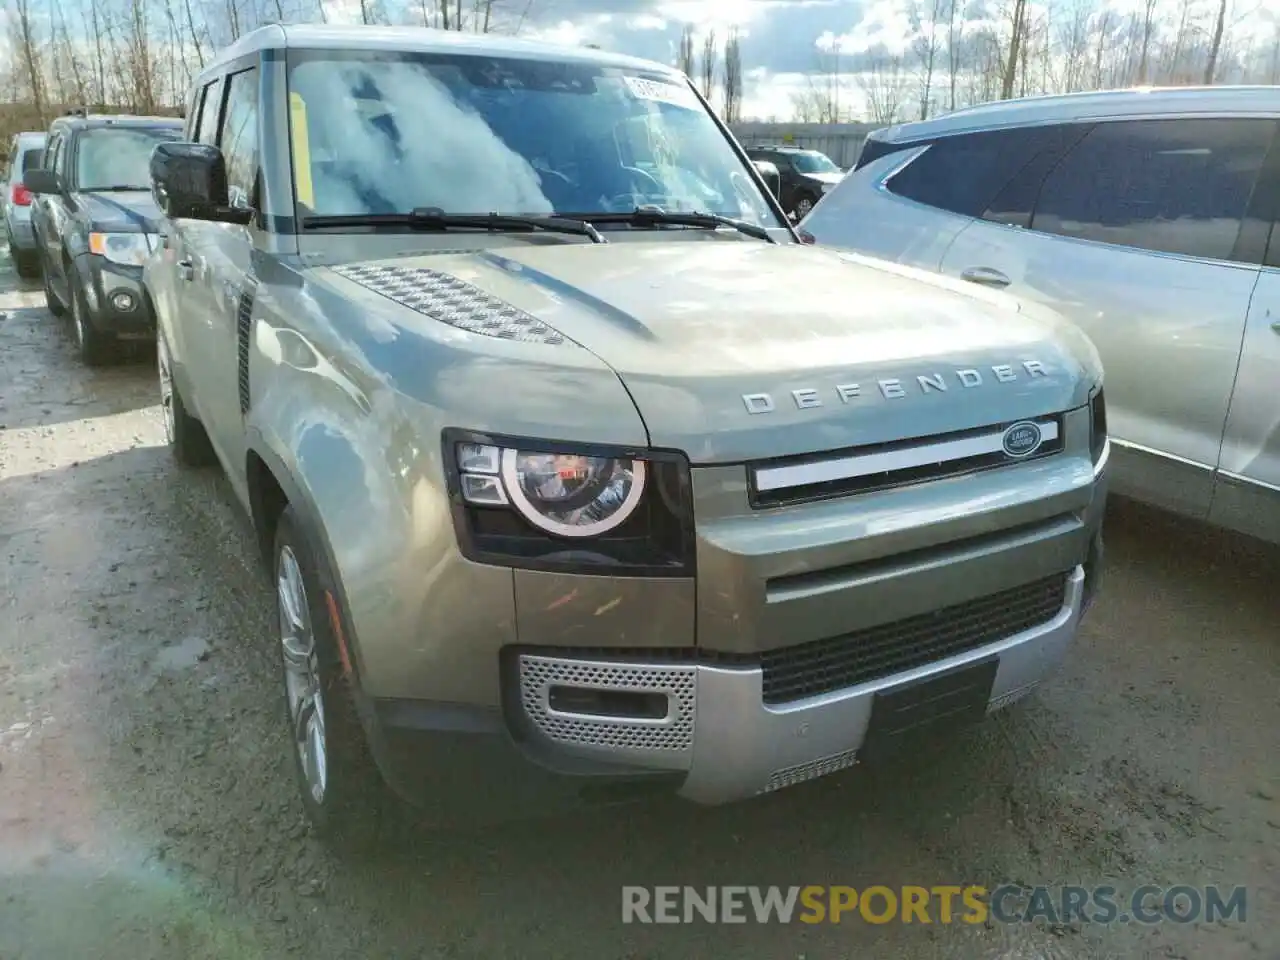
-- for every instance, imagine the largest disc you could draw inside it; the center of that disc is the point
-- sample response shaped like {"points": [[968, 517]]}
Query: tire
{"points": [[804, 203], [345, 798], [186, 435], [24, 262], [56, 306], [96, 348]]}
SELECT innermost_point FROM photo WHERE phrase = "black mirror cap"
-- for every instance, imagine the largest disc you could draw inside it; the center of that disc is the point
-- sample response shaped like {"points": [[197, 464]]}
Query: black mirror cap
{"points": [[189, 182], [42, 181]]}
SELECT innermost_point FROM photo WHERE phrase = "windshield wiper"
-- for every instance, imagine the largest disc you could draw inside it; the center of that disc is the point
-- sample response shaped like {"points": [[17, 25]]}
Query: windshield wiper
{"points": [[432, 218], [652, 217], [114, 188]]}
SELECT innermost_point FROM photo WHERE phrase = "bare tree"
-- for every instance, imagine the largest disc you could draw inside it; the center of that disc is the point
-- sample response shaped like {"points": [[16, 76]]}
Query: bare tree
{"points": [[956, 10], [1215, 45], [883, 84], [1017, 34], [733, 77], [28, 46], [1147, 32], [685, 58], [710, 58], [924, 46]]}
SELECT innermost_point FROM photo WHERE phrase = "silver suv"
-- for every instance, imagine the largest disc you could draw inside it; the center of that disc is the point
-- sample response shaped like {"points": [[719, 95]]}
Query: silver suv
{"points": [[26, 152], [577, 474], [1148, 218]]}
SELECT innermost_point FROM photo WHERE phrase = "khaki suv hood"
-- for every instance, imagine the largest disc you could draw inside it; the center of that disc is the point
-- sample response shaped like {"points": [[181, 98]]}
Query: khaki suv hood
{"points": [[739, 350]]}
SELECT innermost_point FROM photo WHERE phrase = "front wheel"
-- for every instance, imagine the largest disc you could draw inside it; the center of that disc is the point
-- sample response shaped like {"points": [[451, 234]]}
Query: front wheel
{"points": [[339, 783], [24, 262], [803, 206], [56, 306], [96, 348]]}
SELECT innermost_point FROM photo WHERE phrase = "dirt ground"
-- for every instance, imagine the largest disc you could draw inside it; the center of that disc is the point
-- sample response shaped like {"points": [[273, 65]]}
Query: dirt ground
{"points": [[146, 809]]}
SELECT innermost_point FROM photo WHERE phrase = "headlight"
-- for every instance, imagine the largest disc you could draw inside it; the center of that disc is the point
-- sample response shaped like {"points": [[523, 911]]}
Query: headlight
{"points": [[527, 503], [128, 249], [568, 494], [828, 187]]}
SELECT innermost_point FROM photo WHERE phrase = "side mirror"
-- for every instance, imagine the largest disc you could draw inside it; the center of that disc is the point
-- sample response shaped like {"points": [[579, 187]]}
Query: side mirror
{"points": [[189, 182], [769, 171], [42, 181]]}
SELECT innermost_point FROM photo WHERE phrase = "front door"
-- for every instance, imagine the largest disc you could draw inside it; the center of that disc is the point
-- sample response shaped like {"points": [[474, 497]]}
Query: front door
{"points": [[221, 257], [1247, 495], [1135, 236]]}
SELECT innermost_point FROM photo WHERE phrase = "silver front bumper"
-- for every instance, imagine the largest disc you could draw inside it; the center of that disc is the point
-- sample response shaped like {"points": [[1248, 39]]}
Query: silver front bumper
{"points": [[732, 744]]}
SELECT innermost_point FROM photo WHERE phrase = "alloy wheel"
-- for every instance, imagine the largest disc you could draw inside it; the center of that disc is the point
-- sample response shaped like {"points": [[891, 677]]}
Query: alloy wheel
{"points": [[302, 674]]}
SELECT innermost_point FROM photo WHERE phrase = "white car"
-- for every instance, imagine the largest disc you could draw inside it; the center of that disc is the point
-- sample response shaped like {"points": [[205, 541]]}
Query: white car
{"points": [[1146, 217], [26, 151]]}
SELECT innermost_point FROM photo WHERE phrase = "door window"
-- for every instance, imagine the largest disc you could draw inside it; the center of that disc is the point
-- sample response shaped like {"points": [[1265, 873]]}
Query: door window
{"points": [[52, 152], [964, 173], [206, 130], [239, 136], [1172, 186]]}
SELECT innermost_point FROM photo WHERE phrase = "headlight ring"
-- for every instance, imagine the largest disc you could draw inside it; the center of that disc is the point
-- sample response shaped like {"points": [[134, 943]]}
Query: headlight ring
{"points": [[606, 499]]}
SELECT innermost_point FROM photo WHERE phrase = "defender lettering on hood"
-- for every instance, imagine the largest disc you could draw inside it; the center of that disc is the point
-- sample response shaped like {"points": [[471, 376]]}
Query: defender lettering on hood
{"points": [[892, 388]]}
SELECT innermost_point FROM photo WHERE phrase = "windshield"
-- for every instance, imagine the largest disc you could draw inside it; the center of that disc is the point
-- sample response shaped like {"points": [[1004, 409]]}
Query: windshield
{"points": [[374, 134], [814, 163], [118, 156]]}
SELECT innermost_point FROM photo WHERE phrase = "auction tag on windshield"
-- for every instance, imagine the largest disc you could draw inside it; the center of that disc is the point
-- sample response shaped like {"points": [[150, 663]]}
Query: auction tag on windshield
{"points": [[678, 94]]}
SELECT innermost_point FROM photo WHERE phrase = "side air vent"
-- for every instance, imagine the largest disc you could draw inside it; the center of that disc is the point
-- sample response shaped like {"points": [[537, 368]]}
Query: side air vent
{"points": [[244, 329]]}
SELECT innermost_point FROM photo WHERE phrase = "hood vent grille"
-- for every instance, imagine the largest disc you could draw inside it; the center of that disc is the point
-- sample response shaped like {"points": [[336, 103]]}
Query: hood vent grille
{"points": [[451, 300]]}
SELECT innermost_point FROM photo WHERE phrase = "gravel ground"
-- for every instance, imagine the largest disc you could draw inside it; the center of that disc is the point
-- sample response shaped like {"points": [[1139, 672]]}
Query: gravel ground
{"points": [[146, 808]]}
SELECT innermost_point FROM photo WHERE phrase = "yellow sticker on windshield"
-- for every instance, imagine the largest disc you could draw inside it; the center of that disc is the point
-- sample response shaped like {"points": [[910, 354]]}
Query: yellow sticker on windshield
{"points": [[301, 150]]}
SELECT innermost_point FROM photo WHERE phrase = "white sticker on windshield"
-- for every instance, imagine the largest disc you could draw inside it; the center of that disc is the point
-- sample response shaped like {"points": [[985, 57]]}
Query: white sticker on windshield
{"points": [[678, 94]]}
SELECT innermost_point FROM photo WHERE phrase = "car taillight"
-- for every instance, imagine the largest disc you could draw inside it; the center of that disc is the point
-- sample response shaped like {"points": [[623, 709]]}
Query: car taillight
{"points": [[20, 196]]}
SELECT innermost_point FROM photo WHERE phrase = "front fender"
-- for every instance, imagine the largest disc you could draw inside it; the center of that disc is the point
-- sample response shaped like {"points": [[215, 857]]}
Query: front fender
{"points": [[371, 493]]}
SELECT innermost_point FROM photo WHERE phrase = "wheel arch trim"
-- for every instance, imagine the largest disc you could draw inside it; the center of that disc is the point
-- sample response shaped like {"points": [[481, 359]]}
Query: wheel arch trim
{"points": [[312, 527]]}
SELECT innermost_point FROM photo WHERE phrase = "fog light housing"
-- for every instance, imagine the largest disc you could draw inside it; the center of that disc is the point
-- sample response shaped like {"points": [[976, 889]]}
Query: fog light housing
{"points": [[123, 302]]}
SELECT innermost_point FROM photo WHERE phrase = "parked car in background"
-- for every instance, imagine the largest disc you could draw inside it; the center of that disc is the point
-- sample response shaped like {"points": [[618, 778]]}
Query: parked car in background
{"points": [[622, 489], [94, 221], [25, 151], [1148, 217], [805, 175], [769, 173]]}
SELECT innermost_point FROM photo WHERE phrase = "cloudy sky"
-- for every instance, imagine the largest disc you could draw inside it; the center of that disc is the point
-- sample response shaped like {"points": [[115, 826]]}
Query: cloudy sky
{"points": [[779, 37], [782, 40]]}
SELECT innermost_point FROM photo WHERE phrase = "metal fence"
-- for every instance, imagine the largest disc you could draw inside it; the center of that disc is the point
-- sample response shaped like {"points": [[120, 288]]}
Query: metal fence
{"points": [[842, 142]]}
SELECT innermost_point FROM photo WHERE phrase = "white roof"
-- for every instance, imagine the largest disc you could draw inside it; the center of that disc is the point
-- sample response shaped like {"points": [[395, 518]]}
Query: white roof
{"points": [[1105, 104], [423, 39]]}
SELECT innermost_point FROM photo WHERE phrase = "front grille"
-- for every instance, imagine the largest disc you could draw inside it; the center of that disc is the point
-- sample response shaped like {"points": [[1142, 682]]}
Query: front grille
{"points": [[822, 666], [787, 481]]}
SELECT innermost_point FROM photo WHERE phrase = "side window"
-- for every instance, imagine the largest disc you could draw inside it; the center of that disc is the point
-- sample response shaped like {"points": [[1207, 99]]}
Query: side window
{"points": [[965, 172], [65, 146], [239, 136], [1172, 186], [207, 122], [1014, 204], [52, 151]]}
